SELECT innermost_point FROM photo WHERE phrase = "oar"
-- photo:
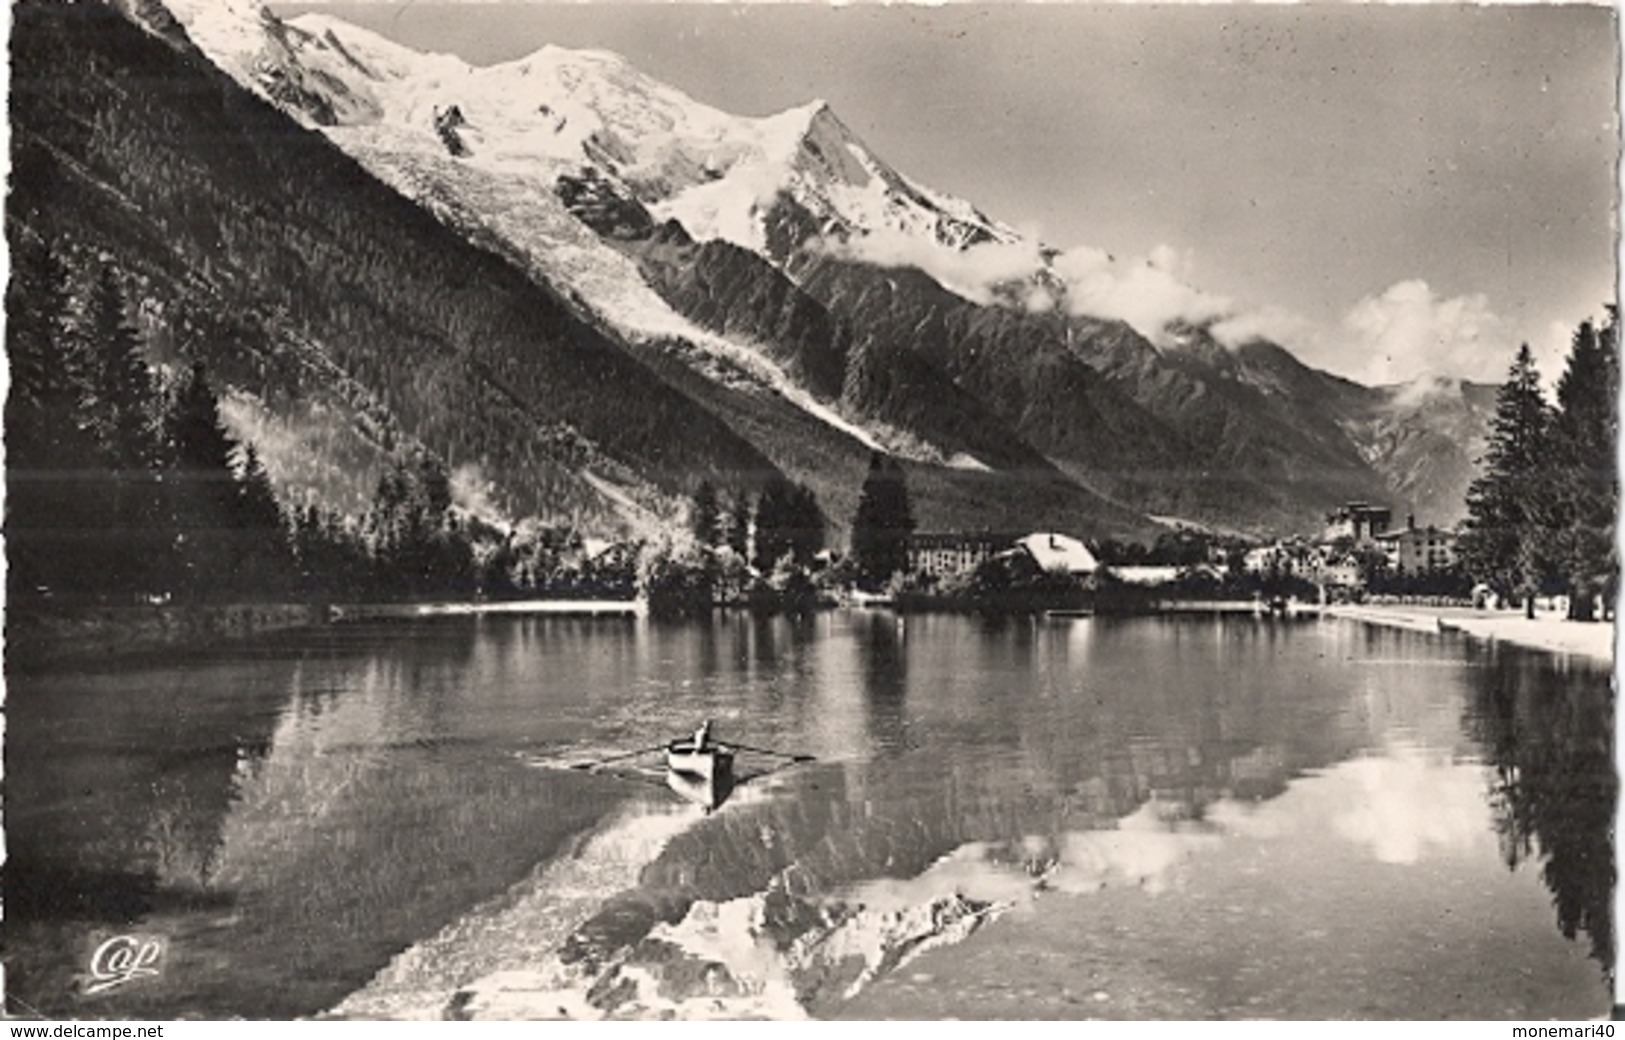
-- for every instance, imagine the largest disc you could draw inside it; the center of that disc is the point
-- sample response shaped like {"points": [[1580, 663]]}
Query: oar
{"points": [[740, 781], [767, 751], [617, 758]]}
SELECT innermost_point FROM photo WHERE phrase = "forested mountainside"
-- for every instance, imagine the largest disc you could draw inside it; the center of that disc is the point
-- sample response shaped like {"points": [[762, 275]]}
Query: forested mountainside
{"points": [[755, 232], [349, 322], [547, 274]]}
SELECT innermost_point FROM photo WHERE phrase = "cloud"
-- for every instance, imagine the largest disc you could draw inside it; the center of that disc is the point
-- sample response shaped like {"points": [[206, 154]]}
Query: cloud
{"points": [[1406, 334], [1276, 324], [1149, 294], [1422, 388], [1551, 349], [973, 272], [1408, 331], [1039, 300], [1409, 804], [1144, 852]]}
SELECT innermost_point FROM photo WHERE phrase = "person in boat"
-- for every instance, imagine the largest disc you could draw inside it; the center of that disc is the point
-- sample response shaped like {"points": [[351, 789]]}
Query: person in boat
{"points": [[702, 736]]}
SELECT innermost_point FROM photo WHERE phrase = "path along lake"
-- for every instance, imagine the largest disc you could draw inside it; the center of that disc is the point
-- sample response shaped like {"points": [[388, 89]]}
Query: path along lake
{"points": [[1164, 817]]}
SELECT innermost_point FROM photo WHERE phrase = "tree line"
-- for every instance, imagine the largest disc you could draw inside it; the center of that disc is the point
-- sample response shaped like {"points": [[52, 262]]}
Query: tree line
{"points": [[125, 485], [1541, 515], [123, 482], [327, 282], [767, 551]]}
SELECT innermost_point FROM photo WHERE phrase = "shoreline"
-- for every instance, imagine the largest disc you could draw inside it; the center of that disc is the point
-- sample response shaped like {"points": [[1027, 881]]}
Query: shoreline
{"points": [[41, 636], [45, 635], [35, 637], [1547, 631], [341, 613]]}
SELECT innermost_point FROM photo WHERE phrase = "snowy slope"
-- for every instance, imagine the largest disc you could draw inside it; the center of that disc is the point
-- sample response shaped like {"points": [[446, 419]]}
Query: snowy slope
{"points": [[520, 125], [558, 109]]}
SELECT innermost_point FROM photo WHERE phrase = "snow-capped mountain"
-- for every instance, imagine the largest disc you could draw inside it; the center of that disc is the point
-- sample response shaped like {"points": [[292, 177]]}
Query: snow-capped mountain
{"points": [[483, 148], [781, 256], [557, 109], [489, 149]]}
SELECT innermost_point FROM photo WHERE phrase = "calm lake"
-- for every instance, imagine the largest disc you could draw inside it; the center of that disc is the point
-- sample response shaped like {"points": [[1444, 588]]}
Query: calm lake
{"points": [[1168, 817]]}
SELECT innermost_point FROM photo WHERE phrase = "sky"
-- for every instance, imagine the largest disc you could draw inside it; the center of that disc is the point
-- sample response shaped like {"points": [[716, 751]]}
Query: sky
{"points": [[1392, 192]]}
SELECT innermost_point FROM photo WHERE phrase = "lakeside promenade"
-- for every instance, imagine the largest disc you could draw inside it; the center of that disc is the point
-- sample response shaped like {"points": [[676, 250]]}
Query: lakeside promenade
{"points": [[1548, 630]]}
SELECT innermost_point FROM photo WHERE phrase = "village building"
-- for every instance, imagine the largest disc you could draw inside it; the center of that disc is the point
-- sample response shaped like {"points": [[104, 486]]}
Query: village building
{"points": [[1058, 552], [1358, 522], [953, 553], [1341, 571], [1419, 550], [1293, 560]]}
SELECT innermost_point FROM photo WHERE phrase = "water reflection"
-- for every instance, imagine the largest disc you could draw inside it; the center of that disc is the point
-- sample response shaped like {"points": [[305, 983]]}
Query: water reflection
{"points": [[878, 639], [297, 822], [1408, 802], [1547, 728], [293, 821]]}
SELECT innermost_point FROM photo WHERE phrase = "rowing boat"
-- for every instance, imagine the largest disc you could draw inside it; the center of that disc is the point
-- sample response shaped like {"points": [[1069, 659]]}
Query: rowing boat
{"points": [[699, 770]]}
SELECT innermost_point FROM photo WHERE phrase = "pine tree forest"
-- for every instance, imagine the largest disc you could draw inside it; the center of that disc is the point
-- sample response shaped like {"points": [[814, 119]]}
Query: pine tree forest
{"points": [[1541, 515], [126, 485]]}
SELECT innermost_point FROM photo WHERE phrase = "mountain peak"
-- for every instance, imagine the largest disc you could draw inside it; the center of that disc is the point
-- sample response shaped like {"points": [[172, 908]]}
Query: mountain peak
{"points": [[718, 174], [884, 292], [552, 52], [215, 26], [812, 110]]}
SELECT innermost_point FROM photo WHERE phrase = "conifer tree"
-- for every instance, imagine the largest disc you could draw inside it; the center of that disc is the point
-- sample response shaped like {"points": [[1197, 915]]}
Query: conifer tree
{"points": [[119, 389], [739, 526], [262, 558], [788, 523], [413, 539], [705, 515], [772, 524], [805, 522], [130, 533], [200, 492], [882, 524], [1583, 477], [1504, 539], [40, 351], [332, 562], [50, 498]]}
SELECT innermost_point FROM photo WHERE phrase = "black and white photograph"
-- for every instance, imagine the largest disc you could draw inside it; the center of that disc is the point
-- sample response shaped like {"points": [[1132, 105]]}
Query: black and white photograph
{"points": [[525, 510]]}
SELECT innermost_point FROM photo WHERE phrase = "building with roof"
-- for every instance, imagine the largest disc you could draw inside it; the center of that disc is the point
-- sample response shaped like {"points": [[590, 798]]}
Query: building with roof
{"points": [[1359, 522], [1060, 553], [1419, 550], [955, 553]]}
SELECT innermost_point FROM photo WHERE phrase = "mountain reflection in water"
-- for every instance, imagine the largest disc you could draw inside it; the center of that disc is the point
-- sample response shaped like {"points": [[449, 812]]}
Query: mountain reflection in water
{"points": [[354, 819]]}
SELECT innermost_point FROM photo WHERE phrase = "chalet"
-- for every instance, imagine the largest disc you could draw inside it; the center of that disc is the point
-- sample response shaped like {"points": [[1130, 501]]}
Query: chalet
{"points": [[1058, 552]]}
